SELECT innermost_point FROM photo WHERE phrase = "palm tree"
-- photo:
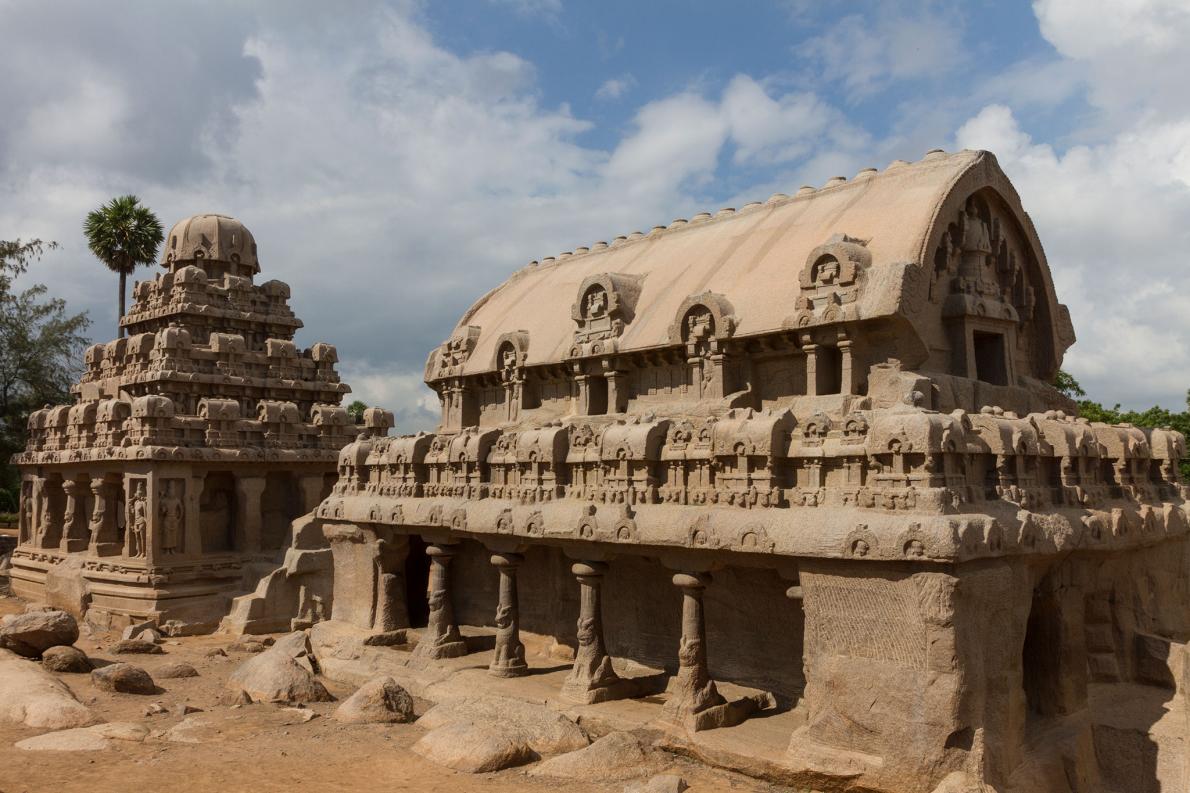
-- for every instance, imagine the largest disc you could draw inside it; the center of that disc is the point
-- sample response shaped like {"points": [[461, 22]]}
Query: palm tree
{"points": [[123, 234]]}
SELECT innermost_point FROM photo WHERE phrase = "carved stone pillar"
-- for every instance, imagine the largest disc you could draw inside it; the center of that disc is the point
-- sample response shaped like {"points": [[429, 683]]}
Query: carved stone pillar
{"points": [[47, 526], [617, 391], [509, 660], [74, 516], [248, 516], [847, 381], [311, 492], [194, 488], [592, 678], [441, 638], [105, 539], [811, 352], [694, 691]]}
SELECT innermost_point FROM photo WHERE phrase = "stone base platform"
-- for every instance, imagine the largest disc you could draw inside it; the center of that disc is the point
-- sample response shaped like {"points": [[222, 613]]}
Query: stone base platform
{"points": [[187, 599]]}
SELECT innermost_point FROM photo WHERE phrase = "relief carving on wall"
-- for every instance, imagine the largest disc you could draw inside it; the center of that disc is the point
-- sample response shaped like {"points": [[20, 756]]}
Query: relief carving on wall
{"points": [[605, 306], [830, 281]]}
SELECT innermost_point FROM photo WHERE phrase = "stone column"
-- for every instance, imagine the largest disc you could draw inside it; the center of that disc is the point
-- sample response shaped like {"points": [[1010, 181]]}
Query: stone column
{"points": [[441, 638], [617, 391], [509, 660], [311, 492], [693, 690], [592, 678], [74, 517], [846, 382], [248, 517], [193, 506], [811, 351]]}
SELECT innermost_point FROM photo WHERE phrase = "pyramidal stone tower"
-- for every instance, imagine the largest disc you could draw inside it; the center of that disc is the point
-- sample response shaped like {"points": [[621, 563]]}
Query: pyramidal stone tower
{"points": [[169, 486]]}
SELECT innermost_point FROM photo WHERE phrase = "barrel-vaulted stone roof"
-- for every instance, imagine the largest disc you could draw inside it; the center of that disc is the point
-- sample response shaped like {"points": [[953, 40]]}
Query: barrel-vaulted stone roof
{"points": [[753, 257]]}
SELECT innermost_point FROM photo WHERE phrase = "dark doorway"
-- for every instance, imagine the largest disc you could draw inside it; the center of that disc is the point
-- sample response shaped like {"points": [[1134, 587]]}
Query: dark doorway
{"points": [[829, 370], [417, 582], [990, 364], [596, 395]]}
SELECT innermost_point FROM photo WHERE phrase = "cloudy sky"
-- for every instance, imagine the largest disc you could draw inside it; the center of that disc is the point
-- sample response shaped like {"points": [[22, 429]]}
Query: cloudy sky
{"points": [[395, 160]]}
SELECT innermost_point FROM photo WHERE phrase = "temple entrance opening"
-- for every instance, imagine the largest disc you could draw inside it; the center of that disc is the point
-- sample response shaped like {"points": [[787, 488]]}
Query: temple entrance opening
{"points": [[989, 358], [279, 505], [217, 512]]}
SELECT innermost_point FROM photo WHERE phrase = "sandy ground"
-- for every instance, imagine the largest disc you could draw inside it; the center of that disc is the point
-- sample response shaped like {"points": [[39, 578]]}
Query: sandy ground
{"points": [[261, 747]]}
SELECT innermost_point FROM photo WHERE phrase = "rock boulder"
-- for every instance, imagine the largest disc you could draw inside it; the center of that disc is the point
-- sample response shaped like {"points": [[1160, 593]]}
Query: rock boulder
{"points": [[379, 701], [474, 748], [123, 679], [543, 730], [32, 633], [31, 696], [66, 659], [283, 673]]}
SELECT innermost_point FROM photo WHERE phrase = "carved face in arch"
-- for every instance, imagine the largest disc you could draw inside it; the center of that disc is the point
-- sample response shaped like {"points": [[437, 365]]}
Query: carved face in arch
{"points": [[595, 302], [826, 271], [508, 357], [700, 324]]}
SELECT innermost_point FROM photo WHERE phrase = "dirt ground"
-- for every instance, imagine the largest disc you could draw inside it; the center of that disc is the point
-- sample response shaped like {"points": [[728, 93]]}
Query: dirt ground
{"points": [[260, 747]]}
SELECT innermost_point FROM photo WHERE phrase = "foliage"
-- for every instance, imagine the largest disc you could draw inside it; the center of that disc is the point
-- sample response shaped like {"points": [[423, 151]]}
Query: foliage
{"points": [[123, 234], [356, 411], [1153, 417], [40, 350]]}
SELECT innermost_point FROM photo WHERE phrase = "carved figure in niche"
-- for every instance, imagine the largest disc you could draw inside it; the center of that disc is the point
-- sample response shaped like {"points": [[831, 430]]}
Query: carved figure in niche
{"points": [[172, 518], [26, 525], [595, 305], [508, 358], [98, 514], [138, 521], [826, 271]]}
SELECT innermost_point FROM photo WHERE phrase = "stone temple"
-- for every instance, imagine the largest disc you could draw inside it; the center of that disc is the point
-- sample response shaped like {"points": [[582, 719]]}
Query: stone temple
{"points": [[171, 483], [801, 457]]}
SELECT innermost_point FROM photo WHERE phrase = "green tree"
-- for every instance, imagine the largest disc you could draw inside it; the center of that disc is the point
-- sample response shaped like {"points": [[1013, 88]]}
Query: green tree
{"points": [[123, 234], [40, 349], [356, 411]]}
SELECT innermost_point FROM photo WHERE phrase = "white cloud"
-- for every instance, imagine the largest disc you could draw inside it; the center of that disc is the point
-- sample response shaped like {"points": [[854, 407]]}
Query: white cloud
{"points": [[531, 8], [886, 43], [615, 87]]}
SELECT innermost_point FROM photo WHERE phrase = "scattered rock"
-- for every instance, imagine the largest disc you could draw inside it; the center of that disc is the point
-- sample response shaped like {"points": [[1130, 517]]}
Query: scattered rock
{"points": [[32, 633], [86, 739], [303, 715], [216, 652], [136, 647], [32, 696], [239, 699], [192, 729], [175, 671], [148, 635], [379, 701], [66, 659], [617, 755], [474, 748], [156, 709], [662, 783], [184, 709], [541, 729], [283, 673], [123, 679], [136, 629], [247, 646]]}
